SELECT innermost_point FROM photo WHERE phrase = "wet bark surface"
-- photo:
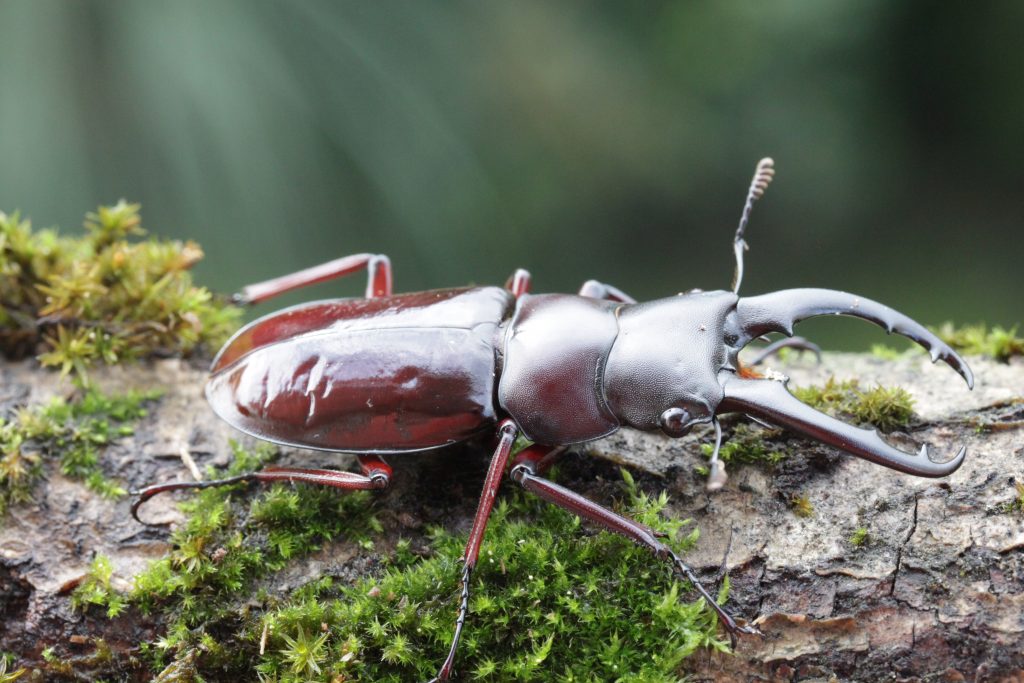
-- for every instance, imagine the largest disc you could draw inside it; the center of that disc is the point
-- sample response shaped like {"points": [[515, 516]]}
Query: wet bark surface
{"points": [[934, 593]]}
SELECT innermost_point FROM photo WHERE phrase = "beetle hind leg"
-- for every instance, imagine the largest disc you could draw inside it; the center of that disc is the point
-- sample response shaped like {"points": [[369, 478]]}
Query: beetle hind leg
{"points": [[376, 475], [378, 282]]}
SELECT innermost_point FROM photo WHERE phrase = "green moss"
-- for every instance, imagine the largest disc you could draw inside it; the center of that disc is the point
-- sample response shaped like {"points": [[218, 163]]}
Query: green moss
{"points": [[749, 444], [95, 589], [100, 298], [801, 506], [859, 537], [885, 408], [1017, 503], [229, 541], [9, 676], [886, 352], [548, 603], [74, 433], [998, 342]]}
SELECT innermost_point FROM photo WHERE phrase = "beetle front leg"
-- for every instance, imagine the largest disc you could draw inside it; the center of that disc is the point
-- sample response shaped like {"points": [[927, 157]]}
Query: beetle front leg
{"points": [[506, 436], [594, 289], [641, 534]]}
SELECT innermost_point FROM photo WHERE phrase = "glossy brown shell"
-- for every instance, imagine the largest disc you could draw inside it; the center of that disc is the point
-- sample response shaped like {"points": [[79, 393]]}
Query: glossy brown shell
{"points": [[556, 348], [400, 373]]}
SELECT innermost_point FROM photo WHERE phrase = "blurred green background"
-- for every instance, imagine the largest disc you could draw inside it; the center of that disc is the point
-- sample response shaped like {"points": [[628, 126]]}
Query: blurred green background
{"points": [[576, 139]]}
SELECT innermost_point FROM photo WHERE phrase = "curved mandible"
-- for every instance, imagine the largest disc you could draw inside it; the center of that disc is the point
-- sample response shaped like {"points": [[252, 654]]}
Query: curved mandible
{"points": [[779, 311], [770, 400]]}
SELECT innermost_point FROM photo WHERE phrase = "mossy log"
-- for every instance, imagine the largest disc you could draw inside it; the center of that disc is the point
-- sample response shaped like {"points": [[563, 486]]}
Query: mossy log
{"points": [[889, 577]]}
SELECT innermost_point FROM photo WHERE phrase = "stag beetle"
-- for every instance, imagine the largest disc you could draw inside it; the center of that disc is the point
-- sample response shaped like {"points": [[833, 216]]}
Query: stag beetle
{"points": [[400, 373]]}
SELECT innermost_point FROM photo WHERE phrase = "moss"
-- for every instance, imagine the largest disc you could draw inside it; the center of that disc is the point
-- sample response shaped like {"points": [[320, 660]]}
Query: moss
{"points": [[74, 433], [95, 589], [547, 604], [1016, 504], [229, 541], [998, 343], [801, 506], [859, 537], [884, 407], [9, 676], [749, 444], [100, 298]]}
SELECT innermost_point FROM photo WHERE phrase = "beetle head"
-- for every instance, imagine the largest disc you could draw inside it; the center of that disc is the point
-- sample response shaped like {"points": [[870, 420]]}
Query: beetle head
{"points": [[675, 364], [662, 371]]}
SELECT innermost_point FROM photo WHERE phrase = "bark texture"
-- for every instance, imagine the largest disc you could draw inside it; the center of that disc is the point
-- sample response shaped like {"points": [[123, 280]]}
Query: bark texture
{"points": [[935, 593]]}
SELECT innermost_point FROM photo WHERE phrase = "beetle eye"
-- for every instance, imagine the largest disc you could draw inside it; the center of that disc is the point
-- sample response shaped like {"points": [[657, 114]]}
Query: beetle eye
{"points": [[675, 422]]}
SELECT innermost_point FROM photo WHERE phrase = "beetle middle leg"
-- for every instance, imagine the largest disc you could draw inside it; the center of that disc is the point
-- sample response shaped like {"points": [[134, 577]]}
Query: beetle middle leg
{"points": [[600, 290], [507, 431], [524, 474]]}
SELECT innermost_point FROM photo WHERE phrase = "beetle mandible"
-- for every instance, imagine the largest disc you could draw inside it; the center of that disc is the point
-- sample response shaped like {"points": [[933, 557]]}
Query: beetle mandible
{"points": [[400, 373]]}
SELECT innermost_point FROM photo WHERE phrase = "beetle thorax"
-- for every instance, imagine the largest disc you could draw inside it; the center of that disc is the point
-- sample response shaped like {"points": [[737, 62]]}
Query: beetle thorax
{"points": [[668, 354]]}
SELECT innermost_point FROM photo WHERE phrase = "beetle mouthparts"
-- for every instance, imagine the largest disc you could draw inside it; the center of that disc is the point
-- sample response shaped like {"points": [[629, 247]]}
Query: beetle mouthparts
{"points": [[779, 311], [771, 401]]}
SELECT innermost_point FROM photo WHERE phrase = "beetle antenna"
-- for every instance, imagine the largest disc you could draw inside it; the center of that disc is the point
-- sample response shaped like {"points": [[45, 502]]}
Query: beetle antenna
{"points": [[763, 175]]}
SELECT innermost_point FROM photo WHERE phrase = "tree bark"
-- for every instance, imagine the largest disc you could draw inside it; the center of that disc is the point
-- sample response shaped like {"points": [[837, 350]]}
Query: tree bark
{"points": [[935, 593]]}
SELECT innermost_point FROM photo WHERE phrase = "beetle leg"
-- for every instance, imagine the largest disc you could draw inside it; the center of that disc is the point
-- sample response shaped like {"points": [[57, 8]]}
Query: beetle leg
{"points": [[518, 282], [599, 290], [641, 534], [771, 401], [376, 475], [539, 458], [378, 282], [506, 437], [798, 343]]}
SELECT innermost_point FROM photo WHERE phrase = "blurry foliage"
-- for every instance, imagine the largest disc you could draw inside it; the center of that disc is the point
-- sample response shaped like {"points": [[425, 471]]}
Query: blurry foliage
{"points": [[73, 432], [605, 139], [9, 676], [978, 340], [101, 298]]}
